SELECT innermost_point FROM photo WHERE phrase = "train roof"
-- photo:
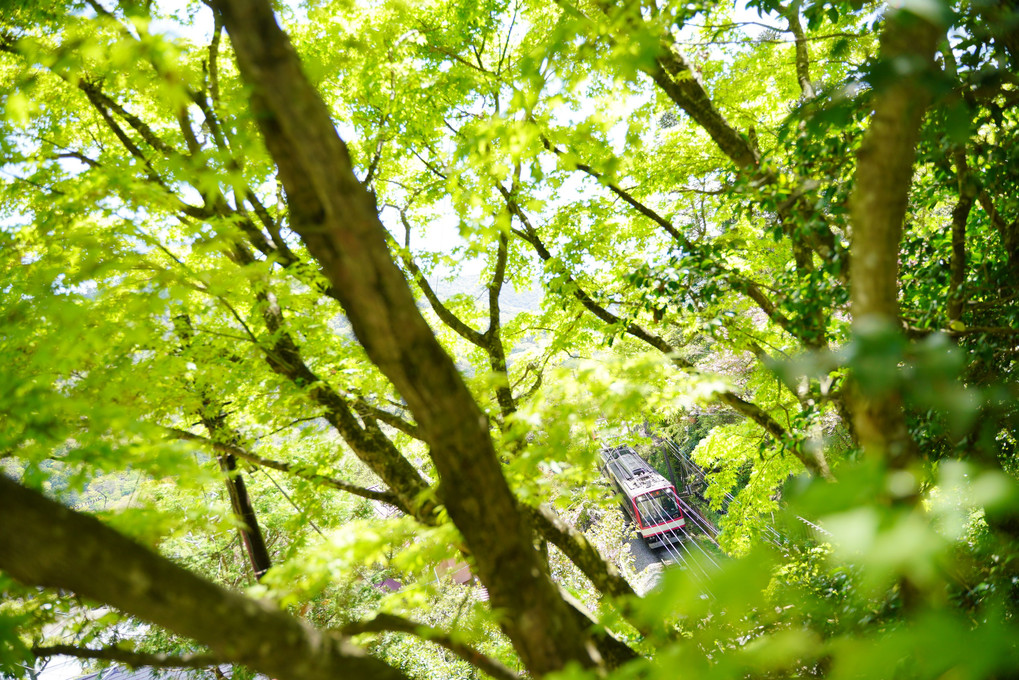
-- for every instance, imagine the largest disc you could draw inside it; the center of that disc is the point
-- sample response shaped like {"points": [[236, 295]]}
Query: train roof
{"points": [[632, 472]]}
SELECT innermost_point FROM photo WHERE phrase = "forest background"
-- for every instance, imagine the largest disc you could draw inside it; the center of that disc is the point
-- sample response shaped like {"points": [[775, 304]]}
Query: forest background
{"points": [[790, 245]]}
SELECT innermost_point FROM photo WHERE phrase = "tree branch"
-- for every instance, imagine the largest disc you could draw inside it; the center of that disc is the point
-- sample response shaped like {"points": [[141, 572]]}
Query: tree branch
{"points": [[368, 442], [817, 466], [1007, 231], [129, 657], [493, 336], [672, 73], [214, 420], [373, 165], [296, 470], [960, 215], [640, 207], [674, 76], [489, 341], [391, 419], [530, 235], [338, 220], [214, 203], [386, 623], [495, 286], [915, 331], [125, 141], [43, 543], [447, 317], [580, 551], [217, 35], [273, 227], [92, 90], [792, 15], [738, 282]]}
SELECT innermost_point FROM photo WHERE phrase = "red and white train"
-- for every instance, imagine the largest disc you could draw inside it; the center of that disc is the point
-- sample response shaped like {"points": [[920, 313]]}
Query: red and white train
{"points": [[648, 498]]}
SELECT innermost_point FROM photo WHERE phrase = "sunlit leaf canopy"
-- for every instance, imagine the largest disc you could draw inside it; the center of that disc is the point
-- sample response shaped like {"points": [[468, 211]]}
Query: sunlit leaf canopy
{"points": [[780, 239]]}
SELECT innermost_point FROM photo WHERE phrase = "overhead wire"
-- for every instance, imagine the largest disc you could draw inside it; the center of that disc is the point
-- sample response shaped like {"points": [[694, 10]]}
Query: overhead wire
{"points": [[666, 545], [670, 539], [661, 510], [777, 540], [677, 542], [710, 531], [694, 565]]}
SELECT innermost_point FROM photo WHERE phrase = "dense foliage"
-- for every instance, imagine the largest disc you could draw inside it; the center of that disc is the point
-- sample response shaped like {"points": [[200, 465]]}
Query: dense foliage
{"points": [[296, 320]]}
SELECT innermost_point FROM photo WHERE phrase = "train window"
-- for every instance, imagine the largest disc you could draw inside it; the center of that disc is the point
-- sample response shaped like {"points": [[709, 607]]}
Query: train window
{"points": [[658, 507]]}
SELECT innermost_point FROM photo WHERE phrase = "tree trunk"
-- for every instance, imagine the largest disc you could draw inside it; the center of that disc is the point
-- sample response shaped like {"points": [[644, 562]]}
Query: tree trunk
{"points": [[878, 207], [338, 220]]}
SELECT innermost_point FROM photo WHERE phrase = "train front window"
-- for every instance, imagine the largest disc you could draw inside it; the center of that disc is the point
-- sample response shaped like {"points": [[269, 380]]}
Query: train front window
{"points": [[658, 507]]}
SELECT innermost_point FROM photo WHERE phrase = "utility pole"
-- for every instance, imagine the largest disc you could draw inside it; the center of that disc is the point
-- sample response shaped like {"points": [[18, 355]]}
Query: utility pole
{"points": [[672, 472]]}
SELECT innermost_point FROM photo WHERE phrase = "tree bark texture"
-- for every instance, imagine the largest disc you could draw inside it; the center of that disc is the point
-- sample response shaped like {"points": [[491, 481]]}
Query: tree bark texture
{"points": [[43, 543], [338, 220], [878, 207], [672, 73], [581, 552]]}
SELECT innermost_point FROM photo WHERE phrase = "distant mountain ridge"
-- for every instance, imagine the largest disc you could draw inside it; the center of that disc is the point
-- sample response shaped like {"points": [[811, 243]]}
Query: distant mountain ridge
{"points": [[511, 301]]}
